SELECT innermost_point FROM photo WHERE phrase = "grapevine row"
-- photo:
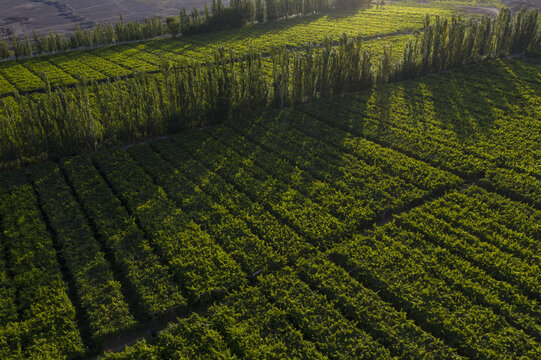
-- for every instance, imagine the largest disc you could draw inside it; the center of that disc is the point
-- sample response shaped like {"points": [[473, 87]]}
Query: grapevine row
{"points": [[46, 323], [100, 293]]}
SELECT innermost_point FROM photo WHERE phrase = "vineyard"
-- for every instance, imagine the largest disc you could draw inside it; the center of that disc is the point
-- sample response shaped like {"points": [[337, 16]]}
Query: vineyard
{"points": [[315, 179], [396, 222]]}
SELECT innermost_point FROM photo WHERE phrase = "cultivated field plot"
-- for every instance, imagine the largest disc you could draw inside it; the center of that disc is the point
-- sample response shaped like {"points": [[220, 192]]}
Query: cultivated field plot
{"points": [[386, 22], [487, 131], [373, 226]]}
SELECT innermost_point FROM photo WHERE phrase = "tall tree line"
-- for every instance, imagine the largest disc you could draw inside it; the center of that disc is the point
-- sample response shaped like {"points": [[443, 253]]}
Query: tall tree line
{"points": [[242, 12], [448, 43], [91, 115], [82, 38]]}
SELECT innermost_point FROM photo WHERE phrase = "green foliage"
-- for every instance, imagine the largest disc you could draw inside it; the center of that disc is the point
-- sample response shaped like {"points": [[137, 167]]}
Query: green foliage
{"points": [[122, 60], [402, 336], [5, 52], [132, 253], [45, 325], [99, 293], [200, 265], [173, 26], [107, 34], [286, 244], [187, 95], [465, 121], [261, 229], [446, 44]]}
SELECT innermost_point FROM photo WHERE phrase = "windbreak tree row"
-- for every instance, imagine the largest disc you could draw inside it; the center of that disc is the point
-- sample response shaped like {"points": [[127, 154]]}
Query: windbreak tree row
{"points": [[110, 33]]}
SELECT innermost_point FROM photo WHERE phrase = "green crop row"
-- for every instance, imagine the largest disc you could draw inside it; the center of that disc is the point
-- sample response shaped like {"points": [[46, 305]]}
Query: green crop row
{"points": [[81, 66], [391, 327], [20, 77], [283, 240], [293, 187], [357, 192], [253, 324], [318, 319], [201, 266], [494, 222], [289, 204], [332, 155], [131, 251], [232, 234], [46, 325], [55, 76], [284, 317], [388, 19], [246, 249], [128, 57], [310, 307], [191, 338], [112, 62], [99, 293], [5, 86], [412, 263]]}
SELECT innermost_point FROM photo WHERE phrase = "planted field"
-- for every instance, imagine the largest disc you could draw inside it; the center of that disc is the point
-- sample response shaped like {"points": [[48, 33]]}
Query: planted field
{"points": [[388, 21], [401, 222], [488, 130]]}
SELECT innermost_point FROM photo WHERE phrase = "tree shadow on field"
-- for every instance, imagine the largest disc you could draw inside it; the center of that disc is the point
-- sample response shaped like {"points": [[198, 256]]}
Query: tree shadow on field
{"points": [[456, 108], [368, 111], [479, 106], [245, 34], [338, 14]]}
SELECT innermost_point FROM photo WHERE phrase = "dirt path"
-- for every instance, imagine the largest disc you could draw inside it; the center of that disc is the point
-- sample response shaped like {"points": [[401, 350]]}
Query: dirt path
{"points": [[516, 5], [490, 11]]}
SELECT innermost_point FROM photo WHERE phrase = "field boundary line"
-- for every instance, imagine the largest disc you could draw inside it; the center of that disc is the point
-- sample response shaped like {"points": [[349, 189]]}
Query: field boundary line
{"points": [[386, 217]]}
